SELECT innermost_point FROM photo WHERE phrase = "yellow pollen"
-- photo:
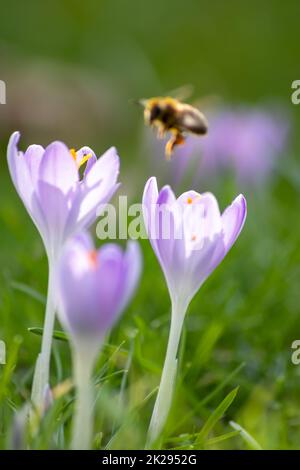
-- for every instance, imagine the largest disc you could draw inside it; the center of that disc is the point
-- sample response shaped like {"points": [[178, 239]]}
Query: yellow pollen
{"points": [[85, 159], [74, 154], [189, 200]]}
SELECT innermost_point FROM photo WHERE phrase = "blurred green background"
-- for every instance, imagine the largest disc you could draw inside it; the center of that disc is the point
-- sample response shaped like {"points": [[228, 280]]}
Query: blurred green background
{"points": [[71, 69]]}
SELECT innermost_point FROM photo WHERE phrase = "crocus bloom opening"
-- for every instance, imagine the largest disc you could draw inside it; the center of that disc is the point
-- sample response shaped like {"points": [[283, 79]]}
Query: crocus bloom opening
{"points": [[199, 238], [94, 288], [190, 237], [61, 201]]}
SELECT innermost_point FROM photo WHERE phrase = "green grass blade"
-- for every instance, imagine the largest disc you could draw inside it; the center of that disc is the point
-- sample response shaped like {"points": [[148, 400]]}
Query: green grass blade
{"points": [[224, 437], [210, 396], [250, 441], [216, 415], [21, 287], [9, 367], [57, 334]]}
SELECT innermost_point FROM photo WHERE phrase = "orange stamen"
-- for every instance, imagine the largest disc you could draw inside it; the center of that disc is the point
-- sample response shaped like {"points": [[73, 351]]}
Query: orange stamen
{"points": [[92, 255], [189, 200]]}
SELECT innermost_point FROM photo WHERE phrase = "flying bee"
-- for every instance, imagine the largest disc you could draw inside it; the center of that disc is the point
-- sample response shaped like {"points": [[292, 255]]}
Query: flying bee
{"points": [[170, 115]]}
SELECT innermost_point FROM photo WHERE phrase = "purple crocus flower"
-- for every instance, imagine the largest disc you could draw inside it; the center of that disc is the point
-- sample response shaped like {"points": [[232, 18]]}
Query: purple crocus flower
{"points": [[247, 141], [60, 203], [190, 237], [94, 287], [199, 239]]}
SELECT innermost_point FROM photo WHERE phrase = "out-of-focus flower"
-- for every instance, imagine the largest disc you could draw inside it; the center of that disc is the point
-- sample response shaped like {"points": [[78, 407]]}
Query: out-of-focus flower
{"points": [[60, 203], [247, 141], [94, 287], [190, 238], [19, 429], [243, 140]]}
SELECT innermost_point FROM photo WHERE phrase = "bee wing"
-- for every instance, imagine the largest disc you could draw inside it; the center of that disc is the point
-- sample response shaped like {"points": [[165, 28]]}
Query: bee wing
{"points": [[139, 102], [193, 121], [182, 93], [208, 102]]}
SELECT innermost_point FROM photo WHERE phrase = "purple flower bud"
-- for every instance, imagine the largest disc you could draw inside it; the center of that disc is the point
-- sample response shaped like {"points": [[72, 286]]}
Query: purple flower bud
{"points": [[94, 286]]}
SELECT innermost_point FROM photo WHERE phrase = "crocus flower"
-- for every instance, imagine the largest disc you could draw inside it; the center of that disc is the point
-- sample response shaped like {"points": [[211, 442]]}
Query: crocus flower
{"points": [[190, 237], [245, 141], [94, 288], [61, 203]]}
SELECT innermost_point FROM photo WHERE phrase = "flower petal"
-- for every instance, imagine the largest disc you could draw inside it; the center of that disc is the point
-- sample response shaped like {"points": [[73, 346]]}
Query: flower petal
{"points": [[106, 170], [86, 207], [233, 220], [58, 168], [84, 240], [81, 153], [211, 220], [97, 188], [166, 196], [22, 176], [54, 206], [132, 271], [203, 262], [150, 191], [77, 289], [19, 171], [189, 197], [33, 157], [111, 283], [150, 196]]}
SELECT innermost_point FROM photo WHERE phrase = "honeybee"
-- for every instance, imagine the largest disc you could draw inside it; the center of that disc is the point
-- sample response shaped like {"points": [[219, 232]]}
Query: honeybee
{"points": [[170, 115]]}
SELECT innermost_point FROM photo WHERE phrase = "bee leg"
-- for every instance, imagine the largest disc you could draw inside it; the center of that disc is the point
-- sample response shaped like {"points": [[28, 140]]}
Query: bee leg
{"points": [[176, 139], [169, 149], [180, 140], [160, 131]]}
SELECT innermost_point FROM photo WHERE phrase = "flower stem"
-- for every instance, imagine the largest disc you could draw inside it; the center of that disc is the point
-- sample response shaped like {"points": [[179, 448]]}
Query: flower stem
{"points": [[83, 419], [42, 367], [165, 392]]}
